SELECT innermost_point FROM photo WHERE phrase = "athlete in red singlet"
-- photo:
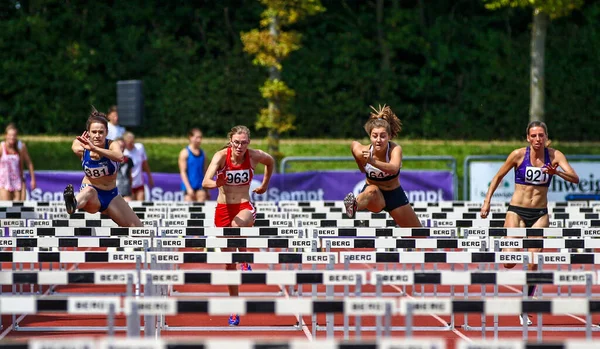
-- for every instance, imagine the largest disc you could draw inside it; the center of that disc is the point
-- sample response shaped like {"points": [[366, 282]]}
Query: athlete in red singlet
{"points": [[234, 166]]}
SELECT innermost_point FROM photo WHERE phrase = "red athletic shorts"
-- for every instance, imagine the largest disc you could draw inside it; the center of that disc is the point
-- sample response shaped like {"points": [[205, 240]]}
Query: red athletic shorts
{"points": [[225, 213]]}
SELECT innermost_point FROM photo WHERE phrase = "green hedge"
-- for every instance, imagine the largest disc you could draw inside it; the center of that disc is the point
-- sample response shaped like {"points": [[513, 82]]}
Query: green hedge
{"points": [[450, 69]]}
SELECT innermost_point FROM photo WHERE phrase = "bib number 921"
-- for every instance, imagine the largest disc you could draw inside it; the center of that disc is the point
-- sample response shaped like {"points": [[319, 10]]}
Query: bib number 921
{"points": [[534, 175]]}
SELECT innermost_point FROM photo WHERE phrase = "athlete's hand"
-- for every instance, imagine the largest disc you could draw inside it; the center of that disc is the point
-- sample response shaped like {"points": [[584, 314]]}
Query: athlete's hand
{"points": [[221, 179], [260, 189], [550, 169], [485, 209], [367, 156], [84, 139]]}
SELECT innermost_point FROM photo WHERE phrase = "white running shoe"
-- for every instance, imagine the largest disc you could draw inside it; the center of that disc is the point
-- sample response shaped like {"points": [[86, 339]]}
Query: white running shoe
{"points": [[350, 203], [529, 322]]}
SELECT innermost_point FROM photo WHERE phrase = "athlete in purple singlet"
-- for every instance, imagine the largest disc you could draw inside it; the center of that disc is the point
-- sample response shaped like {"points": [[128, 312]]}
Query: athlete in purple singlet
{"points": [[534, 168]]}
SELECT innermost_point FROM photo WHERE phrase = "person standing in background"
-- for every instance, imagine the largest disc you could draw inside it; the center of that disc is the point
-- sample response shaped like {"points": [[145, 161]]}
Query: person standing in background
{"points": [[192, 166], [124, 178], [24, 154], [114, 130], [137, 153], [11, 167]]}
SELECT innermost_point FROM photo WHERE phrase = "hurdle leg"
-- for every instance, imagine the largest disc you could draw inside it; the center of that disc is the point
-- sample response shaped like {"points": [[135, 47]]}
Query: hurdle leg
{"points": [[540, 291], [329, 296], [588, 315], [346, 291], [358, 318], [314, 293], [525, 328], [378, 290]]}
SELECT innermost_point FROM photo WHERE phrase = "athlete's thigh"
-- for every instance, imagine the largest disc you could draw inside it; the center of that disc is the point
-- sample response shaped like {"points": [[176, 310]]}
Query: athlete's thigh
{"points": [[244, 218], [512, 220], [17, 195], [90, 194], [376, 202], [405, 217], [122, 214]]}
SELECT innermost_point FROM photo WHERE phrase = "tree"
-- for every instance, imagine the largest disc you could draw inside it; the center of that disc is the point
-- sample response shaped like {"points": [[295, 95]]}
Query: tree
{"points": [[543, 12], [270, 46]]}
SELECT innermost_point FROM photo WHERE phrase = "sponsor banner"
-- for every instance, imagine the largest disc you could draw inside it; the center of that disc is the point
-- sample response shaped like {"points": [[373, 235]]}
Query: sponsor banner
{"points": [[482, 172], [430, 186]]}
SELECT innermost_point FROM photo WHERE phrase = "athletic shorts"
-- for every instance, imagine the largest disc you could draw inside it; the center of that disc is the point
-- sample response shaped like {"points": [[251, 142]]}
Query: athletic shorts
{"points": [[225, 213], [528, 215], [104, 196], [393, 198]]}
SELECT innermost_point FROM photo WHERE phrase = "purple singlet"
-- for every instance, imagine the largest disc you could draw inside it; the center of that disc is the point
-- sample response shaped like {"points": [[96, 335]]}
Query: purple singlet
{"points": [[527, 174]]}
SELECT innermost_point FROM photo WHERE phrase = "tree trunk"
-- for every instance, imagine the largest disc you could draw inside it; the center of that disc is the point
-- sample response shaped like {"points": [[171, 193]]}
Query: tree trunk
{"points": [[385, 51], [538, 46], [274, 105]]}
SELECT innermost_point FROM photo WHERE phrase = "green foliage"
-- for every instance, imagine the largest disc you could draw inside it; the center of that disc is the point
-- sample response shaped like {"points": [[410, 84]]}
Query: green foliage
{"points": [[554, 8], [457, 70]]}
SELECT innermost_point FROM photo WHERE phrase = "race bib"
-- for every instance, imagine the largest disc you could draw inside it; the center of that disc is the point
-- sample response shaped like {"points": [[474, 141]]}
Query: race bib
{"points": [[96, 172], [238, 177], [535, 176]]}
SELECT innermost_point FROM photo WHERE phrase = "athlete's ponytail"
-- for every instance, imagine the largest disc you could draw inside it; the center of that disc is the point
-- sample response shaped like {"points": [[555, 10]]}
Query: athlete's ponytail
{"points": [[384, 117]]}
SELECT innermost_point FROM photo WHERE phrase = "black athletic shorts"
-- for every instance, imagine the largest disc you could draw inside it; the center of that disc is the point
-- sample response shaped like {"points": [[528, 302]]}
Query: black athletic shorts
{"points": [[528, 215]]}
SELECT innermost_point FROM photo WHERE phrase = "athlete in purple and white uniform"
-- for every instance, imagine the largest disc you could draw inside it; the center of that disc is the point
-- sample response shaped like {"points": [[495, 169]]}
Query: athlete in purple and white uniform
{"points": [[534, 167]]}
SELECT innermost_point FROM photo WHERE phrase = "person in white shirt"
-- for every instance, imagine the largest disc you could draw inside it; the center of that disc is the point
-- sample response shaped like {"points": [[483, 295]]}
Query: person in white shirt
{"points": [[137, 153], [114, 130]]}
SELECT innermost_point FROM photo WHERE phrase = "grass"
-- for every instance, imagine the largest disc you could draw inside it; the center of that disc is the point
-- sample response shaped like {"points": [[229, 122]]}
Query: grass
{"points": [[54, 153]]}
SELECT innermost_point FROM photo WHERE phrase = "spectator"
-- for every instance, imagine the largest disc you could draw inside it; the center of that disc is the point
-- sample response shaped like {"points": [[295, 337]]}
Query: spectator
{"points": [[22, 148], [114, 130], [11, 167], [137, 153], [192, 166], [124, 178]]}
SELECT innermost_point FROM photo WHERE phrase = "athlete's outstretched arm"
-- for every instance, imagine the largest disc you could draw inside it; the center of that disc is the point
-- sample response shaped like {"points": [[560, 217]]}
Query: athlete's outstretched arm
{"points": [[510, 162]]}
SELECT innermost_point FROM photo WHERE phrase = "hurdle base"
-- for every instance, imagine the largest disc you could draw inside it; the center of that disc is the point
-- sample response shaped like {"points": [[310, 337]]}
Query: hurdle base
{"points": [[532, 328], [70, 329], [393, 328], [231, 328]]}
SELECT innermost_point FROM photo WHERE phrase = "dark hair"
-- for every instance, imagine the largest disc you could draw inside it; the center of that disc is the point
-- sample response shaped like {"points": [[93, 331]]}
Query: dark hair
{"points": [[235, 130], [96, 117], [541, 124], [384, 117], [194, 130], [113, 108]]}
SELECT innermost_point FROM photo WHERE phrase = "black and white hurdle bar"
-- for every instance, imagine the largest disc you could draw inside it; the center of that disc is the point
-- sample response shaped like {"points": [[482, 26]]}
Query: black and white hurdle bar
{"points": [[292, 277], [461, 257], [321, 232]]}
